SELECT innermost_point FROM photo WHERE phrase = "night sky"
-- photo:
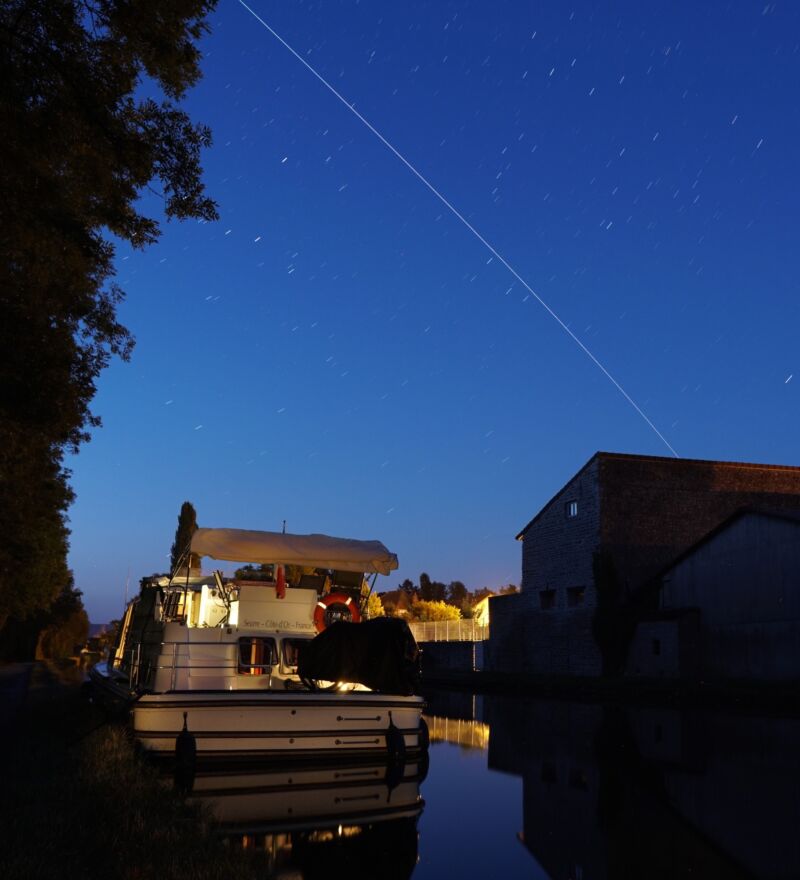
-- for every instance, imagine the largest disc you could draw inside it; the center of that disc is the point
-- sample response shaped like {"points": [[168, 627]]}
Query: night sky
{"points": [[341, 352]]}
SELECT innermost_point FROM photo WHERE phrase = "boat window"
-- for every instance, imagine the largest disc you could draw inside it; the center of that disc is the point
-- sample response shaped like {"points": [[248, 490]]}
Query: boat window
{"points": [[291, 648], [173, 604], [349, 580], [256, 656]]}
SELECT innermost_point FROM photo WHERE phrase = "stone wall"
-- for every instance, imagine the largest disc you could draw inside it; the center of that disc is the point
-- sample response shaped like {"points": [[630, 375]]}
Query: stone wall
{"points": [[547, 628], [449, 656], [557, 549], [526, 640]]}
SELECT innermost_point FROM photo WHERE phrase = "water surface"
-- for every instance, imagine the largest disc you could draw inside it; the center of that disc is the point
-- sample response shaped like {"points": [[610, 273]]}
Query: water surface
{"points": [[538, 789]]}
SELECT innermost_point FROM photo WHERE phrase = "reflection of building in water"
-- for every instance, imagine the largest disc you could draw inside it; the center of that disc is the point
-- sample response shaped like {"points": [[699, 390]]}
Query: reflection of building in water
{"points": [[550, 745], [468, 734], [739, 787], [456, 717], [320, 821], [611, 793], [454, 704]]}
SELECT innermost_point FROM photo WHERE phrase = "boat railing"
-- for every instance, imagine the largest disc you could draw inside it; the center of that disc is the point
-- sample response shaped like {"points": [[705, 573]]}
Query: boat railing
{"points": [[134, 666], [180, 658]]}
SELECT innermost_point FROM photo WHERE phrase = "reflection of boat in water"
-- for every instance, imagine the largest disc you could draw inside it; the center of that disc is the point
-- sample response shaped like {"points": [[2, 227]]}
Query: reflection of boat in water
{"points": [[239, 663], [310, 797], [353, 819]]}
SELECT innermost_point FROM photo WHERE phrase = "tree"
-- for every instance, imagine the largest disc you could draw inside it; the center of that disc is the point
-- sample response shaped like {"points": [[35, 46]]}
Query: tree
{"points": [[613, 621], [482, 593], [67, 628], [187, 526], [33, 535], [431, 591], [375, 607], [51, 633], [409, 588], [262, 572], [89, 115], [456, 593], [423, 610]]}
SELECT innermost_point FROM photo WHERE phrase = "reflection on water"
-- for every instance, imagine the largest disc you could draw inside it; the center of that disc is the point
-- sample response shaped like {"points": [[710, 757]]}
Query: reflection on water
{"points": [[469, 734], [319, 821], [529, 788], [360, 852], [454, 717], [611, 792]]}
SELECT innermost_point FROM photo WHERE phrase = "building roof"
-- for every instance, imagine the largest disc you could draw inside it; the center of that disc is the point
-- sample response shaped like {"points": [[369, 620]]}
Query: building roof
{"points": [[789, 515], [661, 460], [398, 599]]}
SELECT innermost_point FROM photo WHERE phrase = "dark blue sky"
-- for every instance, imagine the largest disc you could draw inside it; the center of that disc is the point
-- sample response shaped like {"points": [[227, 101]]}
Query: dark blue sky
{"points": [[340, 351]]}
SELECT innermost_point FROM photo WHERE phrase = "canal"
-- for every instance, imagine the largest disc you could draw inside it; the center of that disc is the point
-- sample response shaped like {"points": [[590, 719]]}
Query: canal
{"points": [[538, 789]]}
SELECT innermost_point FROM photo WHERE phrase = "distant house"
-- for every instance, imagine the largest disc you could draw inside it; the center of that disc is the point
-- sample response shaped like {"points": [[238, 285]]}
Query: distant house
{"points": [[480, 610], [396, 603], [729, 606], [622, 519]]}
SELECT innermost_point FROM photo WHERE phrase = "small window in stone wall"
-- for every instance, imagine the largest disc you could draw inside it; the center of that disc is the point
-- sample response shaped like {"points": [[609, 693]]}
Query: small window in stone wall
{"points": [[572, 509], [547, 599], [576, 596]]}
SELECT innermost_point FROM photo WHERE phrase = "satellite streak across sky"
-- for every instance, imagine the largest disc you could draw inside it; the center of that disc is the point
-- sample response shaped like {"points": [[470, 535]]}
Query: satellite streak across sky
{"points": [[468, 225]]}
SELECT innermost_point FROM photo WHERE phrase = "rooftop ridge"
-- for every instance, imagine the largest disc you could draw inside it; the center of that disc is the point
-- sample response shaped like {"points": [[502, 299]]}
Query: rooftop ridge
{"points": [[671, 461], [679, 461]]}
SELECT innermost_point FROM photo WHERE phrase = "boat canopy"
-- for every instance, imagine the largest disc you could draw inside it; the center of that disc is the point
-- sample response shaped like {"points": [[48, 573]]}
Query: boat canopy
{"points": [[317, 551]]}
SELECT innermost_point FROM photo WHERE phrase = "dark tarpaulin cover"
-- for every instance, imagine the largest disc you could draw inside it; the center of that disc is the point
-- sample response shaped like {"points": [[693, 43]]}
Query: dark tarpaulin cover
{"points": [[380, 654]]}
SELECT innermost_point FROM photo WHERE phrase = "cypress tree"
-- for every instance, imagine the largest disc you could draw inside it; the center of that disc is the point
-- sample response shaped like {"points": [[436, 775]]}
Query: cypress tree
{"points": [[187, 526]]}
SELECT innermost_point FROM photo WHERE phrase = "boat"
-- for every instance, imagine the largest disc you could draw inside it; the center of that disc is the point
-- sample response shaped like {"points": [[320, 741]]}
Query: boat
{"points": [[273, 666]]}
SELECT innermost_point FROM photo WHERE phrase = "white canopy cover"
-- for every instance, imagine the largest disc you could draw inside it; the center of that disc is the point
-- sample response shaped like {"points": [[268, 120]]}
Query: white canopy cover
{"points": [[318, 551]]}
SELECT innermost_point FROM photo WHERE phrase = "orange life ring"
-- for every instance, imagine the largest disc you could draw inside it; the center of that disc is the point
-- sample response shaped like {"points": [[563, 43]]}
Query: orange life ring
{"points": [[326, 603]]}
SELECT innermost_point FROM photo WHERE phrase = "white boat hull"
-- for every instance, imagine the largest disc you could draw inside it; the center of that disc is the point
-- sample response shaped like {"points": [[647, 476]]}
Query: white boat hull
{"points": [[270, 724]]}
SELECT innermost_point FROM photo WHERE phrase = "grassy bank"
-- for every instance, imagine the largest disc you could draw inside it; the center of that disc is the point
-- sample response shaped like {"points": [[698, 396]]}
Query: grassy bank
{"points": [[77, 802]]}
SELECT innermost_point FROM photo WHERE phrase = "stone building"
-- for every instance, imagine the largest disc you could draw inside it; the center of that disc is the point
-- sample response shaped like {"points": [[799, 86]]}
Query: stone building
{"points": [[639, 513], [729, 607]]}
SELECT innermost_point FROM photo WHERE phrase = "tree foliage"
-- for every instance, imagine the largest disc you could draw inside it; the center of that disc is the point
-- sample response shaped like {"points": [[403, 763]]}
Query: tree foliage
{"points": [[375, 607], [68, 626], [423, 609], [249, 572], [431, 591], [614, 618], [409, 588], [187, 526], [80, 142], [457, 593], [52, 633], [454, 594]]}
